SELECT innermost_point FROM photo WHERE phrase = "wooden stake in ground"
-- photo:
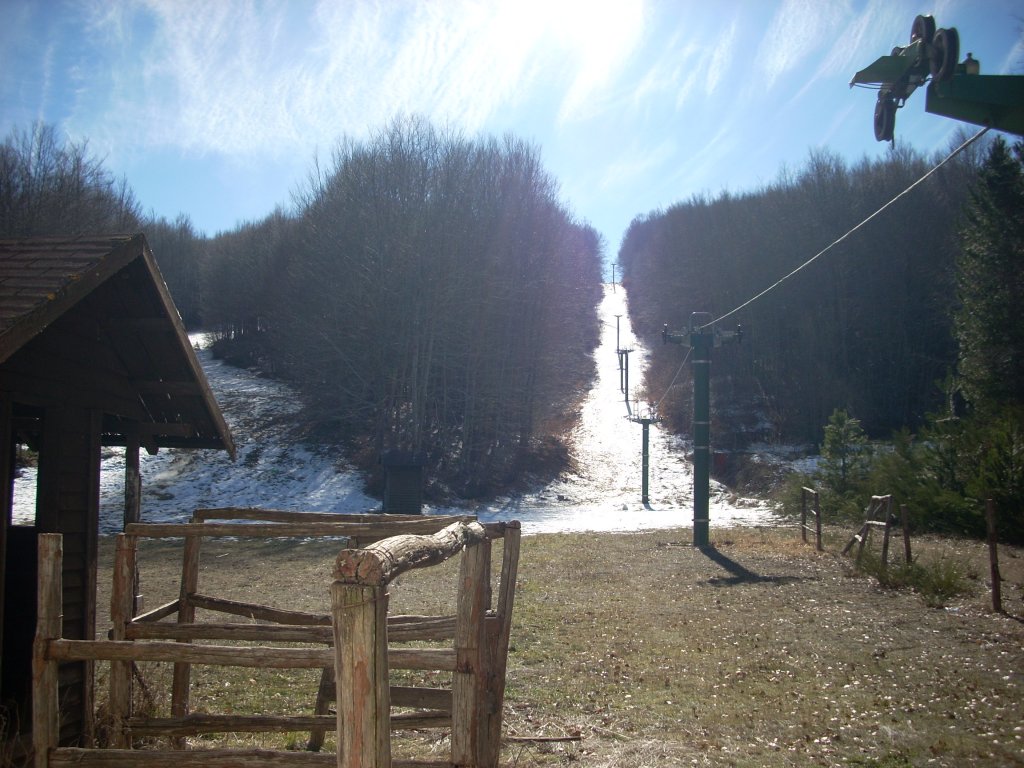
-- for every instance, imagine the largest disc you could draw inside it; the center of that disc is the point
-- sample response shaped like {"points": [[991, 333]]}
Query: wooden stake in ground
{"points": [[45, 712], [993, 556], [905, 524], [805, 494]]}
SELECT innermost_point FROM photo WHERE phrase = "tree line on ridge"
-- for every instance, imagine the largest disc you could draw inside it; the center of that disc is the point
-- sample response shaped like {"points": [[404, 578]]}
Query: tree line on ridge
{"points": [[908, 332], [428, 293]]}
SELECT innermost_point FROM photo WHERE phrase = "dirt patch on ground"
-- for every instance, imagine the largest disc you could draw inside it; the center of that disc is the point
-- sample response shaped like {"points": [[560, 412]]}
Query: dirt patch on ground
{"points": [[641, 650]]}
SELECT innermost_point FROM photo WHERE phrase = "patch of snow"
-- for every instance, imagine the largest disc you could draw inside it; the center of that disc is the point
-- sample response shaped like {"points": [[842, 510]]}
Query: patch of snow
{"points": [[24, 500], [795, 458]]}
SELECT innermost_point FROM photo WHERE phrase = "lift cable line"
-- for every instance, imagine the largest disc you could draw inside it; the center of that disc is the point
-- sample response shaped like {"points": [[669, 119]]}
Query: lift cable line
{"points": [[703, 337], [657, 407], [831, 245]]}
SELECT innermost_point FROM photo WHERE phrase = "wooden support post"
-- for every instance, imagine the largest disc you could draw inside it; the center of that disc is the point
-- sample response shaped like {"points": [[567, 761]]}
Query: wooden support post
{"points": [[121, 607], [803, 513], [857, 537], [132, 477], [905, 524], [8, 452], [186, 615], [133, 499], [509, 573], [864, 532], [499, 632], [993, 556], [45, 710], [805, 494], [817, 522], [360, 618], [469, 678], [886, 504]]}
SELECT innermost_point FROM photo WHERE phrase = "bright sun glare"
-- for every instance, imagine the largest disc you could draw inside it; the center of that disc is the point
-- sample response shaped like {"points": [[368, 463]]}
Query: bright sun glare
{"points": [[595, 36]]}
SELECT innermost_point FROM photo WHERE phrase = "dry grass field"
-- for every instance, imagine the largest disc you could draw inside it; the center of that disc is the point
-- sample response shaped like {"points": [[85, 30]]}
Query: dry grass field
{"points": [[640, 650]]}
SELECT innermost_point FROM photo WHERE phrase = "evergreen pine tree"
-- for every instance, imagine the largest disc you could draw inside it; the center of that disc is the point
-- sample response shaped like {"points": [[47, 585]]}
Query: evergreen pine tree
{"points": [[988, 324], [845, 453]]}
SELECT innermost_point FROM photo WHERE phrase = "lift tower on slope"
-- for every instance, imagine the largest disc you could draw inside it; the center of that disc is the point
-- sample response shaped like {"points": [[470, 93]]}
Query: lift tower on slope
{"points": [[645, 420], [702, 336]]}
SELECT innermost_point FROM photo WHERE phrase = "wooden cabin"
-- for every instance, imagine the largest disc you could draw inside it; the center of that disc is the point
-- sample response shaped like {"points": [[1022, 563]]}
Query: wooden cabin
{"points": [[93, 353]]}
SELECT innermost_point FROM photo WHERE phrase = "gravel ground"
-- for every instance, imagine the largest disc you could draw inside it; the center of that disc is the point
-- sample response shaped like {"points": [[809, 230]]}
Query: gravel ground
{"points": [[640, 650]]}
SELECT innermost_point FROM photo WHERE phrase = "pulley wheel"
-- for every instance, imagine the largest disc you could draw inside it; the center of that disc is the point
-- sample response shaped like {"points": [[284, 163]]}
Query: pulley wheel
{"points": [[945, 53], [885, 117], [923, 29]]}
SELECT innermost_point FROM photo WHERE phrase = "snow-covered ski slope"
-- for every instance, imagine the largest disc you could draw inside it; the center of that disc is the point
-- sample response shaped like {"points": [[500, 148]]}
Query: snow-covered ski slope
{"points": [[606, 494]]}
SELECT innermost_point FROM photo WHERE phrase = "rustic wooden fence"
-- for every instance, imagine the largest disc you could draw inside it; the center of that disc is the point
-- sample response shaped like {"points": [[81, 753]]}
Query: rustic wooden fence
{"points": [[810, 502], [356, 653], [879, 515]]}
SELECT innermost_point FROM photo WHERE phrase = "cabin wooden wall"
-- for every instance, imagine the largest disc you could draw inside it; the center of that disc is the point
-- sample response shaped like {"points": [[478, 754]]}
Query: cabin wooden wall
{"points": [[6, 489]]}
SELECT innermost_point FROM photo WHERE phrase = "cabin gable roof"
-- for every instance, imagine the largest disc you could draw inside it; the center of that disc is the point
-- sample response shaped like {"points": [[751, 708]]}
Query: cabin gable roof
{"points": [[88, 322]]}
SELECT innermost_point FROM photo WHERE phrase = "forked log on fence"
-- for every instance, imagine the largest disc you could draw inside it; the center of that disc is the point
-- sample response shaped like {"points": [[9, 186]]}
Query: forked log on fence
{"points": [[359, 662]]}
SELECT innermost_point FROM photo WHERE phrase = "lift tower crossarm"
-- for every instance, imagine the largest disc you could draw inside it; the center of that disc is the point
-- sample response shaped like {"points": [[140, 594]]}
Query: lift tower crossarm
{"points": [[994, 101]]}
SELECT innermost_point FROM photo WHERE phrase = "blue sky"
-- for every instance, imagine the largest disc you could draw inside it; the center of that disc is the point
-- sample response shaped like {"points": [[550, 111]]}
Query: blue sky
{"points": [[217, 108]]}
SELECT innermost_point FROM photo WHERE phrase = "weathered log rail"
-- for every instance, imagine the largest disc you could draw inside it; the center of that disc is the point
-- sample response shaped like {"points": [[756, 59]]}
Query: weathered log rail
{"points": [[355, 644]]}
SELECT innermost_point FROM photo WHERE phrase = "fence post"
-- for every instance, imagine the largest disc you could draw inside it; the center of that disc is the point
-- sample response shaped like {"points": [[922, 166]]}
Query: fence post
{"points": [[803, 514], [186, 615], [886, 502], [45, 709], [865, 531], [993, 556], [360, 619], [122, 599], [469, 732], [499, 629], [905, 523], [817, 521]]}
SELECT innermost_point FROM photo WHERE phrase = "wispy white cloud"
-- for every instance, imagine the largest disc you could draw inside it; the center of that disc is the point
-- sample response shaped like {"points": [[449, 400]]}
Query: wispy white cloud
{"points": [[635, 162], [797, 30], [238, 79], [1014, 61], [687, 66], [721, 57], [668, 77], [700, 169], [108, 21], [865, 36], [599, 36], [632, 101], [854, 111], [46, 82]]}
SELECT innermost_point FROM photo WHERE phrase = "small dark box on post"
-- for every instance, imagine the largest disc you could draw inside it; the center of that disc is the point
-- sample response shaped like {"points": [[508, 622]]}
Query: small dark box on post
{"points": [[403, 482]]}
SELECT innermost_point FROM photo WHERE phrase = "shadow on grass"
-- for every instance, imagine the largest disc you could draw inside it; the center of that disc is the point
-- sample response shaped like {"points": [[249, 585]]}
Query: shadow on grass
{"points": [[740, 573]]}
